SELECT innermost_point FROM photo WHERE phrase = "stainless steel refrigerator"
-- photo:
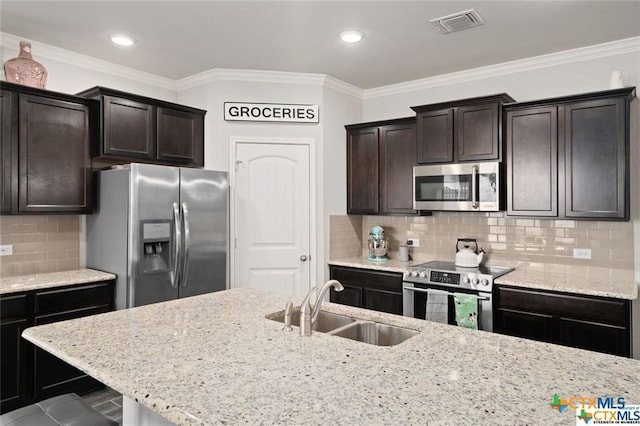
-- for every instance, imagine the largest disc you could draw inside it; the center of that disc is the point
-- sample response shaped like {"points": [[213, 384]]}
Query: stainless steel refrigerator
{"points": [[162, 230]]}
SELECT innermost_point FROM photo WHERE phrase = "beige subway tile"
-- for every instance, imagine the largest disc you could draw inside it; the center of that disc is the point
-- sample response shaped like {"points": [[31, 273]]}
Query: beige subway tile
{"points": [[35, 237], [46, 266], [575, 233], [69, 245], [47, 227], [56, 236], [525, 222], [34, 257], [565, 223], [25, 268], [515, 230], [598, 233], [587, 224], [533, 231], [47, 246], [566, 241], [621, 235], [621, 255], [7, 222], [497, 230], [615, 225], [24, 248], [492, 221], [34, 220], [14, 258], [7, 270], [23, 228], [55, 255], [12, 238]]}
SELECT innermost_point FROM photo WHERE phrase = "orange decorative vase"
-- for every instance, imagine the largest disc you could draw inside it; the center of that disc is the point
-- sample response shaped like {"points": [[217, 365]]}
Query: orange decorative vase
{"points": [[25, 70]]}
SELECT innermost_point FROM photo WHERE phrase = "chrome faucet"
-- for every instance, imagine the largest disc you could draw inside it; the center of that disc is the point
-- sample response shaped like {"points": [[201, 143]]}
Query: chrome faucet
{"points": [[309, 315]]}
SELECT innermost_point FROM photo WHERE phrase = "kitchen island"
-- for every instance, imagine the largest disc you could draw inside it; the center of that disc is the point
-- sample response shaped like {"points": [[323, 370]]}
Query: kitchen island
{"points": [[216, 359]]}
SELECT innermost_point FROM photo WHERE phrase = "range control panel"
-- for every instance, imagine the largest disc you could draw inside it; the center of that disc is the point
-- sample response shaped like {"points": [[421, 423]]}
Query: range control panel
{"points": [[444, 277]]}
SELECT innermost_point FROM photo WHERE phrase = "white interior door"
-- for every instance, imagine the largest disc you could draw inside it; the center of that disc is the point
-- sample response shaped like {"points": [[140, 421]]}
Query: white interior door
{"points": [[272, 217]]}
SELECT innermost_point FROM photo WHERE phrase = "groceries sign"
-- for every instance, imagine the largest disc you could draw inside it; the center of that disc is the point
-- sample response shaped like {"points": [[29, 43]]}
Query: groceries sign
{"points": [[293, 113]]}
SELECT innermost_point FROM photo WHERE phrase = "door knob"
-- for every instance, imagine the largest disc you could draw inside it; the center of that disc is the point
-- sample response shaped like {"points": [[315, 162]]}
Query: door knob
{"points": [[303, 257]]}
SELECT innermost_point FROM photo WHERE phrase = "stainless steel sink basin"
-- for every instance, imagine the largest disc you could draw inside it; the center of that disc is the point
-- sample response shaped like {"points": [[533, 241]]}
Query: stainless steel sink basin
{"points": [[326, 322], [375, 333]]}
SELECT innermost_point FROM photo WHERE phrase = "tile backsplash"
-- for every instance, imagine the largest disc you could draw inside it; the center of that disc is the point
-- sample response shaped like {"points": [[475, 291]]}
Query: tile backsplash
{"points": [[525, 240], [40, 244]]}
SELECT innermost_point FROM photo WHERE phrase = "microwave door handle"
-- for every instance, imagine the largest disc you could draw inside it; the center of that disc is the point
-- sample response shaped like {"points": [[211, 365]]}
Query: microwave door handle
{"points": [[474, 187]]}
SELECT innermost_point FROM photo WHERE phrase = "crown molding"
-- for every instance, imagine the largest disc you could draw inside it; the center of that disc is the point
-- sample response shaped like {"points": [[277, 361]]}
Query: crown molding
{"points": [[222, 74], [618, 47], [53, 53]]}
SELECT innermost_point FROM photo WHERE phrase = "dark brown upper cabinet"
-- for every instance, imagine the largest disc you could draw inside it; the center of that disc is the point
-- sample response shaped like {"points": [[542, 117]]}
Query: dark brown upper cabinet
{"points": [[380, 159], [141, 129], [569, 157], [45, 147], [463, 130]]}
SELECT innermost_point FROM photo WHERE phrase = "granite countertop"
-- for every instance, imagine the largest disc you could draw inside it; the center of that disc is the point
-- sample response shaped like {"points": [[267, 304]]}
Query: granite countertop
{"points": [[593, 281], [52, 279], [215, 359]]}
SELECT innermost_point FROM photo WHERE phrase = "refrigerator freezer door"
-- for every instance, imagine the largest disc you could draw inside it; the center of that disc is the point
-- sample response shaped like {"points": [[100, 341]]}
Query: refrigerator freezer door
{"points": [[154, 190], [205, 194]]}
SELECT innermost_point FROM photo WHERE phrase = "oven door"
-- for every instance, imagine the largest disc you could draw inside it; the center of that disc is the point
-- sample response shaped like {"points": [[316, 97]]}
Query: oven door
{"points": [[414, 303], [457, 187]]}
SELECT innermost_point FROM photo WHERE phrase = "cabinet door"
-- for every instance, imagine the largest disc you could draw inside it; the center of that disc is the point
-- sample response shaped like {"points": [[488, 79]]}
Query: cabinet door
{"points": [[477, 132], [362, 171], [397, 157], [128, 128], [593, 336], [54, 166], [180, 136], [532, 162], [14, 358], [435, 136], [7, 149], [383, 301], [528, 325], [596, 159], [351, 295]]}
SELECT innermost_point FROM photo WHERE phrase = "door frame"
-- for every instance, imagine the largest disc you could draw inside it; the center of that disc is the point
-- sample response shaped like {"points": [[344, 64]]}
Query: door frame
{"points": [[313, 240]]}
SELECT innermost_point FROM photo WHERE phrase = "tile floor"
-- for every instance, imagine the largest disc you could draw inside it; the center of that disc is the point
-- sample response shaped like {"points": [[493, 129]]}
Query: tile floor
{"points": [[107, 402]]}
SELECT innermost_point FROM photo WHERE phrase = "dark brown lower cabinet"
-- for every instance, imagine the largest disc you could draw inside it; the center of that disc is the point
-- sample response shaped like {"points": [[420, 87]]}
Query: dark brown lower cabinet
{"points": [[594, 323], [375, 290], [14, 356], [30, 374]]}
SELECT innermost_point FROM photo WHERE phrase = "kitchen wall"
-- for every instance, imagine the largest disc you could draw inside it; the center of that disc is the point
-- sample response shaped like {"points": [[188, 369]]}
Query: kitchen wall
{"points": [[40, 244]]}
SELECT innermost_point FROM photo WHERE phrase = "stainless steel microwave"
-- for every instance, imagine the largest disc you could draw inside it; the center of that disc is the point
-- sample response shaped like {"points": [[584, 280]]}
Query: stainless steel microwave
{"points": [[458, 187]]}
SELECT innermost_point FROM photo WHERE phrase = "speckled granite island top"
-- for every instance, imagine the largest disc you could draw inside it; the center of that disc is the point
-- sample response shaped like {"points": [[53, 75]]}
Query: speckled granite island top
{"points": [[216, 359], [52, 279]]}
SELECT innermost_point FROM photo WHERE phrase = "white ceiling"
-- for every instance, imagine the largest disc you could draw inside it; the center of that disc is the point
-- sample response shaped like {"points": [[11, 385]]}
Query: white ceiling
{"points": [[180, 38]]}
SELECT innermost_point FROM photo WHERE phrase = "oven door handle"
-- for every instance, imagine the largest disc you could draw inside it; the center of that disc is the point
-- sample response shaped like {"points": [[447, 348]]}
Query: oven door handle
{"points": [[424, 290]]}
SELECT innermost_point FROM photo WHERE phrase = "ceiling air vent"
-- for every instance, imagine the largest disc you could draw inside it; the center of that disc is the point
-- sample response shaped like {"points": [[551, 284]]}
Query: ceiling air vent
{"points": [[457, 21]]}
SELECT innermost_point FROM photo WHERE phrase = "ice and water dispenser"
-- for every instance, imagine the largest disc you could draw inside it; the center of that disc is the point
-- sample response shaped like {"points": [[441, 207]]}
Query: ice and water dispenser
{"points": [[156, 246]]}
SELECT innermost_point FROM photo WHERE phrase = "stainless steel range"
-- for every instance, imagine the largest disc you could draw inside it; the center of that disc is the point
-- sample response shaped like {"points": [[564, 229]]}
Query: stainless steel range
{"points": [[445, 276]]}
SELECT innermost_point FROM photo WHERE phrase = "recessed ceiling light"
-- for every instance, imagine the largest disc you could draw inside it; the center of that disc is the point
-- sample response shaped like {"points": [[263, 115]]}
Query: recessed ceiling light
{"points": [[351, 36], [122, 39]]}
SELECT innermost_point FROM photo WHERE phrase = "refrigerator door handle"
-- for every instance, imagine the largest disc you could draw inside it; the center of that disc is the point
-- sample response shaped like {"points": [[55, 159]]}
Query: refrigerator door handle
{"points": [[185, 253], [177, 242]]}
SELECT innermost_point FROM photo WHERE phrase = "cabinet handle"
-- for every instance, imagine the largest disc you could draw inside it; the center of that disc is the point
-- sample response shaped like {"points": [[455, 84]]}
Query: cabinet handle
{"points": [[474, 186], [303, 257]]}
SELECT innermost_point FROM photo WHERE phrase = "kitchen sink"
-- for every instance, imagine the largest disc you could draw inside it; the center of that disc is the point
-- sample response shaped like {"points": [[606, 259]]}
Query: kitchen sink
{"points": [[370, 332], [375, 333], [326, 321]]}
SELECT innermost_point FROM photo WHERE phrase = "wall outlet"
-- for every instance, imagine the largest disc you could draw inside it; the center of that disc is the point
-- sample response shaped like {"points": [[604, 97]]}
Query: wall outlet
{"points": [[581, 253], [413, 242], [6, 250]]}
